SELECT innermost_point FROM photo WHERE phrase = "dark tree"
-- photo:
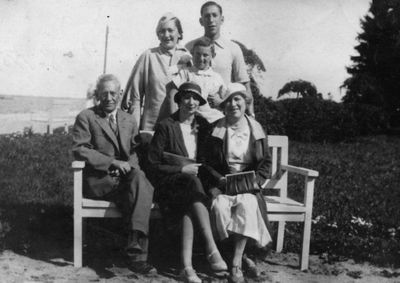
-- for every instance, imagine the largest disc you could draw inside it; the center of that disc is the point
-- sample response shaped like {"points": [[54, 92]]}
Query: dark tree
{"points": [[268, 113], [300, 87], [375, 72], [251, 58], [254, 63]]}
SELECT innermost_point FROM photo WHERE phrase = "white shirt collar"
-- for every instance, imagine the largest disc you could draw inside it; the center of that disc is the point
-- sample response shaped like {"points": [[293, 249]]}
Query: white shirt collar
{"points": [[220, 41], [172, 51], [208, 72], [114, 114]]}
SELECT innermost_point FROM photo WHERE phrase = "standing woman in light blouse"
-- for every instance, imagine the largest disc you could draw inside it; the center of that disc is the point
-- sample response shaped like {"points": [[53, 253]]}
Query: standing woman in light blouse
{"points": [[145, 92]]}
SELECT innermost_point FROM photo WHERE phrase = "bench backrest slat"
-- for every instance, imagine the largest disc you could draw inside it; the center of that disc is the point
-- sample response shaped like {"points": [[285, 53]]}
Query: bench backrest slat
{"points": [[279, 146]]}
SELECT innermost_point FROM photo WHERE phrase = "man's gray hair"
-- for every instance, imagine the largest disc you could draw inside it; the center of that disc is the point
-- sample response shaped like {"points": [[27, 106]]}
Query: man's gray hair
{"points": [[105, 78]]}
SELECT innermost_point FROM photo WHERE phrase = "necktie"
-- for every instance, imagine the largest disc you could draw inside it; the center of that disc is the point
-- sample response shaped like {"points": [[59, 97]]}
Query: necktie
{"points": [[113, 124]]}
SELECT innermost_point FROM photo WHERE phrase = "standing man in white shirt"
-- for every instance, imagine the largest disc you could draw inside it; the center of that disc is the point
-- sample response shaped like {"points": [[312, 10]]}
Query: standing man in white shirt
{"points": [[229, 60]]}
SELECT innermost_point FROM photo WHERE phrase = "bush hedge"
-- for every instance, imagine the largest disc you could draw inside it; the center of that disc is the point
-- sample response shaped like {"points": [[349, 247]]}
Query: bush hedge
{"points": [[317, 120]]}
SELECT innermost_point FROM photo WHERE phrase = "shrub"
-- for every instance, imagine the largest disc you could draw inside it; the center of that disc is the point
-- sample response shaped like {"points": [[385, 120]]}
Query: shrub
{"points": [[306, 119], [269, 114], [316, 120], [371, 120]]}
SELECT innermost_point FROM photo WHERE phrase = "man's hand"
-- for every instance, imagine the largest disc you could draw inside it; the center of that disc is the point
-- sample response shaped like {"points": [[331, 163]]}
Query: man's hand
{"points": [[122, 166], [191, 169], [114, 173], [214, 100], [214, 192]]}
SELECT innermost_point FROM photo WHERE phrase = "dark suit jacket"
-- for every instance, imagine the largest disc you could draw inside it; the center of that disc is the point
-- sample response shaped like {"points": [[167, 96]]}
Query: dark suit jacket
{"points": [[168, 138], [95, 143]]}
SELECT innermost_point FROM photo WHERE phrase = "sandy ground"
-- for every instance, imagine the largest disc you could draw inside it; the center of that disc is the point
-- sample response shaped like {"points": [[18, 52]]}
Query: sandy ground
{"points": [[277, 268]]}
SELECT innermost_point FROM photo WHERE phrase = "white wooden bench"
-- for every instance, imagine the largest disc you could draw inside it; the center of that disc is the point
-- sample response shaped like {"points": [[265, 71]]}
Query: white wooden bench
{"points": [[280, 208]]}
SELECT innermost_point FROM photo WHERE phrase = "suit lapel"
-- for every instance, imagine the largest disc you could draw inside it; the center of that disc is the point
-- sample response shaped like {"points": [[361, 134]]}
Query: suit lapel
{"points": [[102, 121], [178, 133], [221, 132], [122, 130]]}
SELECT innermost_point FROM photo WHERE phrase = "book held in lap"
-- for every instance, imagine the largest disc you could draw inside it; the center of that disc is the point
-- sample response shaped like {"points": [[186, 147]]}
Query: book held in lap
{"points": [[241, 183]]}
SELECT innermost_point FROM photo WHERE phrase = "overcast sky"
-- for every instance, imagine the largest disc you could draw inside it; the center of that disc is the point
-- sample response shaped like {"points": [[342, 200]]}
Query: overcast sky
{"points": [[56, 47]]}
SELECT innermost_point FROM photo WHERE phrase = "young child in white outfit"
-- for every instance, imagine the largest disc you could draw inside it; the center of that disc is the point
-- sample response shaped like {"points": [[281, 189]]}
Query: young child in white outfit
{"points": [[210, 82]]}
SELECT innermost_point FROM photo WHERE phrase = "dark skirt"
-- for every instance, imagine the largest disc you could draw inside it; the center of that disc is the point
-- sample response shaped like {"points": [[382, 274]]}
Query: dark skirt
{"points": [[177, 192]]}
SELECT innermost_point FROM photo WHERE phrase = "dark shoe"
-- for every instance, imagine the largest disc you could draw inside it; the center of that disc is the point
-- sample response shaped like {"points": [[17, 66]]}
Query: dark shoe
{"points": [[251, 268], [142, 267], [133, 243], [236, 275], [133, 248]]}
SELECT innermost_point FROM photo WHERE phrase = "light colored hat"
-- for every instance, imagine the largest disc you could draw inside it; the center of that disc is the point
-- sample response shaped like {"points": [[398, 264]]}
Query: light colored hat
{"points": [[234, 88], [191, 87]]}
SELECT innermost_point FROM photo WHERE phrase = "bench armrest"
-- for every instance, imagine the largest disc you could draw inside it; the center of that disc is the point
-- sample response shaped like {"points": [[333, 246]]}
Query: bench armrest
{"points": [[309, 181], [78, 164], [300, 170]]}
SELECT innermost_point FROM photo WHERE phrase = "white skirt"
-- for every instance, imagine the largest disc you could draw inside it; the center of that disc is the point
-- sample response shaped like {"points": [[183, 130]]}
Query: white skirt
{"points": [[239, 214]]}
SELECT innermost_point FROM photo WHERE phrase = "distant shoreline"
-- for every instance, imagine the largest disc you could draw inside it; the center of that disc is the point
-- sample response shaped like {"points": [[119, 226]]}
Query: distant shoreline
{"points": [[38, 113], [12, 96]]}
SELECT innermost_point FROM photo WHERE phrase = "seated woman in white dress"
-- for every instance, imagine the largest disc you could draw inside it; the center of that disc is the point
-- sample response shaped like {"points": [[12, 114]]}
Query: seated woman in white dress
{"points": [[237, 144]]}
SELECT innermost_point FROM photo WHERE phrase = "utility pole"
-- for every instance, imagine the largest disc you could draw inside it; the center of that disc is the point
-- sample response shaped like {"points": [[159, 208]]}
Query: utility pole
{"points": [[105, 49]]}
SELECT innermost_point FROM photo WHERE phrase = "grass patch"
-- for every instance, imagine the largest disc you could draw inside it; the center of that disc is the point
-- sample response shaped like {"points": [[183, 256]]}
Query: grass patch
{"points": [[36, 169], [356, 199]]}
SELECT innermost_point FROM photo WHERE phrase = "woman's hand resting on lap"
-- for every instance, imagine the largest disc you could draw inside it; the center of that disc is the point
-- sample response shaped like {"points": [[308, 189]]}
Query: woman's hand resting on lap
{"points": [[191, 169]]}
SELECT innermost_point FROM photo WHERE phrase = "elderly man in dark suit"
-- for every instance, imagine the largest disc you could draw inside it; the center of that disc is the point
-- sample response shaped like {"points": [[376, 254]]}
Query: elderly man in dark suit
{"points": [[103, 137]]}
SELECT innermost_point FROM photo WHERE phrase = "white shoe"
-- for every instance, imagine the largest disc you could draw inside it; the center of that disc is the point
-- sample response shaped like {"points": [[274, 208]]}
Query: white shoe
{"points": [[216, 261]]}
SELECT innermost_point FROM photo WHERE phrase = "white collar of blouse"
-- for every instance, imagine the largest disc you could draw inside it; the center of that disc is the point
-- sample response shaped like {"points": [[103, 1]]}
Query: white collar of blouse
{"points": [[256, 130]]}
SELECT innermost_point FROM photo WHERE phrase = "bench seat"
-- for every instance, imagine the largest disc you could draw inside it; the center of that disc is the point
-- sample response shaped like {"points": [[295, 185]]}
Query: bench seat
{"points": [[102, 208]]}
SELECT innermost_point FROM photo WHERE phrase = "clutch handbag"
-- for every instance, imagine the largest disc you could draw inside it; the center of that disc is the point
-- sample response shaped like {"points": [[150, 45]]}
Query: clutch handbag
{"points": [[241, 183]]}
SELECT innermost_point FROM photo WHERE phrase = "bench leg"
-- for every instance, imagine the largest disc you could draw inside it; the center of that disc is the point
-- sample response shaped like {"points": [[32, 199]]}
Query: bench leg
{"points": [[280, 236], [305, 250], [77, 241]]}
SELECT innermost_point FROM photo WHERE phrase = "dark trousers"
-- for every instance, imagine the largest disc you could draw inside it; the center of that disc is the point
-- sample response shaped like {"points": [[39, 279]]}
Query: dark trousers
{"points": [[133, 195]]}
